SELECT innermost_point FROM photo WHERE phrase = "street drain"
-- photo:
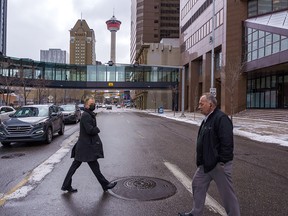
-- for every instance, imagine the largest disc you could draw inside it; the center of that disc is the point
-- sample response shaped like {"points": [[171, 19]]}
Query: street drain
{"points": [[12, 155], [143, 188]]}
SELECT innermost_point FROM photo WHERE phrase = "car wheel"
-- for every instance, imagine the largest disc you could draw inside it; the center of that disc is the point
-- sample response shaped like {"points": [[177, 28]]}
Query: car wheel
{"points": [[61, 132], [6, 144], [49, 135]]}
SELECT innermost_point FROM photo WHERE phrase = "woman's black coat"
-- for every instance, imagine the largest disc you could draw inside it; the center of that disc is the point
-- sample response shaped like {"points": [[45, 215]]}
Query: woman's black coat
{"points": [[89, 146]]}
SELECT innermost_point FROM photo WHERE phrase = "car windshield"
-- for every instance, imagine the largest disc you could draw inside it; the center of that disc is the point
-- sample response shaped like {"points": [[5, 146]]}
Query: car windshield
{"points": [[32, 111], [67, 108], [81, 106]]}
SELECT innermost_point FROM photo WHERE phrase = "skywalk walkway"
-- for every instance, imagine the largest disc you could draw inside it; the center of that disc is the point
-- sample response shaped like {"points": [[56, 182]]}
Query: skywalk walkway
{"points": [[30, 73]]}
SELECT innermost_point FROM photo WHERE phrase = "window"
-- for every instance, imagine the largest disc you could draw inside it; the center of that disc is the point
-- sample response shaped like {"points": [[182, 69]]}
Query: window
{"points": [[261, 42], [268, 84], [258, 7], [252, 8], [267, 99], [273, 81], [276, 47], [268, 50], [284, 43], [264, 6]]}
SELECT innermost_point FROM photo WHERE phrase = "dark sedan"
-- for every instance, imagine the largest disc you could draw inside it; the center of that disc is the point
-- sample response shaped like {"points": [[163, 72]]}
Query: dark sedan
{"points": [[71, 112], [32, 123]]}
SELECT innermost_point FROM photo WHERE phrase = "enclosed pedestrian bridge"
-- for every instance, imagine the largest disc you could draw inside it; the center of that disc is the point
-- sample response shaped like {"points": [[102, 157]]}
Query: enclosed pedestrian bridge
{"points": [[30, 73]]}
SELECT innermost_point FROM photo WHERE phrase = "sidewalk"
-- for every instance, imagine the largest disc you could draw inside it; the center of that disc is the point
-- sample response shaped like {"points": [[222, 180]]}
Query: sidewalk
{"points": [[255, 129]]}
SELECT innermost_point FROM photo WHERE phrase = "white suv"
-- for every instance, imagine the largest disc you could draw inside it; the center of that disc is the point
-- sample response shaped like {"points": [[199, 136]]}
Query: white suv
{"points": [[5, 111]]}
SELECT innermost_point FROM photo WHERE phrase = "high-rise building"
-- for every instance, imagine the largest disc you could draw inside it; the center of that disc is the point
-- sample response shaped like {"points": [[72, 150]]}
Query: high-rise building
{"points": [[82, 44], [53, 55], [240, 50], [167, 52], [151, 21], [3, 26]]}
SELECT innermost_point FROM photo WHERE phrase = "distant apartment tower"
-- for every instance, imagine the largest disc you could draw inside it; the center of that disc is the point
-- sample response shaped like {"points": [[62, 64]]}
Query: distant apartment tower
{"points": [[151, 21], [3, 26], [53, 55], [82, 44]]}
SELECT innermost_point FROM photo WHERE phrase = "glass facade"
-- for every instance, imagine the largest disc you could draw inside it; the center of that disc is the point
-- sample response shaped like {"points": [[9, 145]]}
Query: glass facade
{"points": [[259, 7], [86, 73], [263, 43], [270, 91]]}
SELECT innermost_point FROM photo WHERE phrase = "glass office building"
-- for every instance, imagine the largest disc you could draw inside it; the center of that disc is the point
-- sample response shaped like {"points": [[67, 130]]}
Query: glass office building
{"points": [[250, 52], [266, 51]]}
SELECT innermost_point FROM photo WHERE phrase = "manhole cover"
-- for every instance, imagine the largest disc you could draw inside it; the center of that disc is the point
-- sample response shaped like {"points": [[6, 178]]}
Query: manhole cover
{"points": [[12, 155], [143, 188]]}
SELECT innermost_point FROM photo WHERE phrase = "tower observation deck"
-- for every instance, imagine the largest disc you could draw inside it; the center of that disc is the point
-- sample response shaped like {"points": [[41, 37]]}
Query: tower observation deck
{"points": [[113, 25]]}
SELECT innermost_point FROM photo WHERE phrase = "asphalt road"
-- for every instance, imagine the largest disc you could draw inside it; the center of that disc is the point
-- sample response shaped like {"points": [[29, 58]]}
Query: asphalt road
{"points": [[141, 145], [18, 160]]}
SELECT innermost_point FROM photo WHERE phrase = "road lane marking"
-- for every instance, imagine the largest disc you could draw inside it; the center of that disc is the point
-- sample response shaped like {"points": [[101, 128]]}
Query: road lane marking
{"points": [[37, 174], [210, 202], [140, 135]]}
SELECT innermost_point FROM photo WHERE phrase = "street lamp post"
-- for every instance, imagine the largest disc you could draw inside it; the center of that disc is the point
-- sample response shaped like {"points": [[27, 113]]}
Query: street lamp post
{"points": [[183, 92], [212, 89]]}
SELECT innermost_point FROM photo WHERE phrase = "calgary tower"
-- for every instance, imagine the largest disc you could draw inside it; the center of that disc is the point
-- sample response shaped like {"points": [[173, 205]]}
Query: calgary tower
{"points": [[113, 25]]}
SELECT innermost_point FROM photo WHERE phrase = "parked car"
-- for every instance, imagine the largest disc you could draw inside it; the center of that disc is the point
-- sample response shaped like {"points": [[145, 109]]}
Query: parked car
{"points": [[5, 111], [109, 106], [81, 106], [32, 123], [71, 112]]}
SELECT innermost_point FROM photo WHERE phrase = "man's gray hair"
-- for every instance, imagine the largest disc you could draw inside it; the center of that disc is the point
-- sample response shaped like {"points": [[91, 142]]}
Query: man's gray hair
{"points": [[210, 98]]}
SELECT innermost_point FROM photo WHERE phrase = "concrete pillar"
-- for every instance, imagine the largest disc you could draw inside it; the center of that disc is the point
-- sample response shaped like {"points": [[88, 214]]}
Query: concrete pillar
{"points": [[113, 47], [206, 72]]}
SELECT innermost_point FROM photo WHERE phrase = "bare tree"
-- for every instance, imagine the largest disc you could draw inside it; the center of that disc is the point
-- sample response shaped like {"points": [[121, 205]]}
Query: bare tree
{"points": [[196, 99], [42, 90], [7, 83], [154, 99], [230, 75], [175, 92]]}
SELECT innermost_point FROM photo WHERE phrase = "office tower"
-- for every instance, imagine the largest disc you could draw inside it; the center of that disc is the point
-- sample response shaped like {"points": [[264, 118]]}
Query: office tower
{"points": [[53, 55], [3, 26], [250, 43], [151, 21], [82, 44], [113, 25]]}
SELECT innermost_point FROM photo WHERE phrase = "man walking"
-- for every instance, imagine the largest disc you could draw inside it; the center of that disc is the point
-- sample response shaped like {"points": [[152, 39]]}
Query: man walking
{"points": [[214, 158], [87, 149]]}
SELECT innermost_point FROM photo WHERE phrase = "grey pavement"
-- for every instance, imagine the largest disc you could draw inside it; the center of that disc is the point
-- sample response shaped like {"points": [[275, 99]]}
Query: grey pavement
{"points": [[256, 129]]}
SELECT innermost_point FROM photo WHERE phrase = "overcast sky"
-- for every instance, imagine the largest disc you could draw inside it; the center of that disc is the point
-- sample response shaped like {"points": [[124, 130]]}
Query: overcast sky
{"points": [[35, 25]]}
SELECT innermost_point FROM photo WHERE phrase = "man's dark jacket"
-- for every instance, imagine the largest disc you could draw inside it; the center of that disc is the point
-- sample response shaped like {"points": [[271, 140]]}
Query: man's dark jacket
{"points": [[89, 146], [215, 141]]}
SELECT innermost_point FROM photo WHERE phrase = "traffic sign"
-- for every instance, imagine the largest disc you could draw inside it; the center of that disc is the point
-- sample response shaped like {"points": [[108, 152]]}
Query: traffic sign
{"points": [[213, 91]]}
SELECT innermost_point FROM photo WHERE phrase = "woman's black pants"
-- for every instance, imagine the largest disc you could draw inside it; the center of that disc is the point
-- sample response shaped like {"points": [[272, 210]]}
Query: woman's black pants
{"points": [[94, 166]]}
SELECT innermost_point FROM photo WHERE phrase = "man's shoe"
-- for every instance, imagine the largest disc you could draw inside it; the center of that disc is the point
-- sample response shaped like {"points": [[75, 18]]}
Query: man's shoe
{"points": [[109, 186], [70, 189], [185, 214]]}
